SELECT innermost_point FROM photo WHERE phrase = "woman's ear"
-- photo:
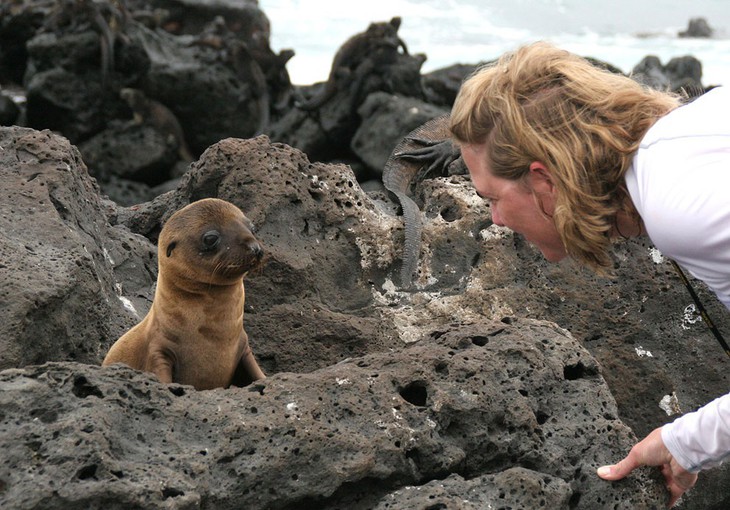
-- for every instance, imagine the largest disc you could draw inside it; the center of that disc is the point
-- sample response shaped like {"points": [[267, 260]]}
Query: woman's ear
{"points": [[541, 180]]}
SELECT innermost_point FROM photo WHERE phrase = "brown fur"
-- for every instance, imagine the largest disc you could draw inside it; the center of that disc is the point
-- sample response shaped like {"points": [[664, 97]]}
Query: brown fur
{"points": [[193, 333]]}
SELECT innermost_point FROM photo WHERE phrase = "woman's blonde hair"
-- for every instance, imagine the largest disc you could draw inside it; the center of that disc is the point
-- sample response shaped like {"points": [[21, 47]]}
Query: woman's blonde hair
{"points": [[583, 123]]}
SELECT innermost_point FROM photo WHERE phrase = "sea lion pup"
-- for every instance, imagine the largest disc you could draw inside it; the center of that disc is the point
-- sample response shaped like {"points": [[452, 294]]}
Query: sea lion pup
{"points": [[193, 333]]}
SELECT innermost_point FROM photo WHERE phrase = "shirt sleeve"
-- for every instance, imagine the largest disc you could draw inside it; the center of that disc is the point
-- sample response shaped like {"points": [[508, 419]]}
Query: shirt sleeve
{"points": [[700, 440], [679, 183]]}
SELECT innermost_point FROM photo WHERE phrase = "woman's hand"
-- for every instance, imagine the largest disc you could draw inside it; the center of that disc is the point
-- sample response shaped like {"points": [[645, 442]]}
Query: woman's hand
{"points": [[652, 452]]}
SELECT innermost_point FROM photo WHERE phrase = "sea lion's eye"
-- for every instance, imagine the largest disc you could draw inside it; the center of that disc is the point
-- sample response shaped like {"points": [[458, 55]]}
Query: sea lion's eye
{"points": [[211, 239]]}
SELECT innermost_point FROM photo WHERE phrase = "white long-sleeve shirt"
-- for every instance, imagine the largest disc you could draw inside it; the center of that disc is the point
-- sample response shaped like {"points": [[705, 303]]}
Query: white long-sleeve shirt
{"points": [[680, 185]]}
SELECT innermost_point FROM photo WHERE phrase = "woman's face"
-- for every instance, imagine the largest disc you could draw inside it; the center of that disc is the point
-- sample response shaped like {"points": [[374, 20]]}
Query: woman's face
{"points": [[524, 207]]}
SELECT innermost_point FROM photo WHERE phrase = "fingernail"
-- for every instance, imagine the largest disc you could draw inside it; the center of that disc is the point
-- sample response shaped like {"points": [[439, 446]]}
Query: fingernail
{"points": [[604, 471]]}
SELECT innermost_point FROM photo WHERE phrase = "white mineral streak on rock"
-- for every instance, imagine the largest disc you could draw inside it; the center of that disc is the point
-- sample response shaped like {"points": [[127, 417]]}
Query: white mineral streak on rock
{"points": [[690, 316], [670, 404], [495, 232], [656, 255], [643, 353], [128, 305]]}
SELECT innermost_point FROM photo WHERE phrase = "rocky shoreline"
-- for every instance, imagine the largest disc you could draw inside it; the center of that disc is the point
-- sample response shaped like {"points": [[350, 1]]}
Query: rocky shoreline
{"points": [[497, 380]]}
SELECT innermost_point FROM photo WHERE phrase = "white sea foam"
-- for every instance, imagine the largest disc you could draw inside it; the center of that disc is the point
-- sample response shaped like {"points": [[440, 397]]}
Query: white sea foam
{"points": [[470, 31]]}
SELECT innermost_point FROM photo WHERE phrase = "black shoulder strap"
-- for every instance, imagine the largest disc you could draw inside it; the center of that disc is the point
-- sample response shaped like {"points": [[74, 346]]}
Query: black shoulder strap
{"points": [[701, 309]]}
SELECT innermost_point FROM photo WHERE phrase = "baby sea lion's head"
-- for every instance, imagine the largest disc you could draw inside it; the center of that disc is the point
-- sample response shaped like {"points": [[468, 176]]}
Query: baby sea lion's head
{"points": [[209, 241]]}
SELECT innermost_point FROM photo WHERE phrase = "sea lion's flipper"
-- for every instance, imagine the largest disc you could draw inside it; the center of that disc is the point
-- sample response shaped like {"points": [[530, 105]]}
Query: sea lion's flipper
{"points": [[161, 365], [247, 369]]}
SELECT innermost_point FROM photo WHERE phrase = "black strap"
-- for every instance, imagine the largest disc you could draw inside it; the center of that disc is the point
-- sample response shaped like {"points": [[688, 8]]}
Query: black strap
{"points": [[701, 309]]}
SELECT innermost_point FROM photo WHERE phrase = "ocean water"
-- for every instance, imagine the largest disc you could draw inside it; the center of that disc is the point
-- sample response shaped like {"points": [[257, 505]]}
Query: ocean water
{"points": [[621, 32]]}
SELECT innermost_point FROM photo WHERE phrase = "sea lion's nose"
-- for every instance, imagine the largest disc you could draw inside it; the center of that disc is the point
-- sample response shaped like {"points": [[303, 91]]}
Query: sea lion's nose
{"points": [[257, 250]]}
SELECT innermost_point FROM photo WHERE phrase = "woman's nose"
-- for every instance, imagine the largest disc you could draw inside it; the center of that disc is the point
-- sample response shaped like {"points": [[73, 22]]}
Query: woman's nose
{"points": [[496, 217]]}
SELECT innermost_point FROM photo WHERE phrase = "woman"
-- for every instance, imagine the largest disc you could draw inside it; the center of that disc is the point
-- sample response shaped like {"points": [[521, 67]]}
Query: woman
{"points": [[571, 156]]}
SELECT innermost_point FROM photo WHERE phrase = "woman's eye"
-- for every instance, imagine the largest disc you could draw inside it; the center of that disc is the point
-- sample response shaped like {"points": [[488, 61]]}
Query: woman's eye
{"points": [[211, 239], [486, 198]]}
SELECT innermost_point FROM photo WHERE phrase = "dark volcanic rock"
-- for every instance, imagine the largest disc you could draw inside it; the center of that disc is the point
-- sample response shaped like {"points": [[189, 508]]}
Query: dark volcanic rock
{"points": [[127, 193], [214, 103], [386, 119], [477, 401], [650, 71], [680, 74], [512, 488], [327, 296], [76, 65], [63, 268], [191, 16], [685, 73], [442, 85], [322, 234], [68, 90], [370, 62], [698, 28], [17, 26], [386, 410], [9, 111], [134, 152]]}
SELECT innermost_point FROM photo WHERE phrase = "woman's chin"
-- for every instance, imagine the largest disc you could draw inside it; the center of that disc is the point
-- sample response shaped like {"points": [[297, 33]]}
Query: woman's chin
{"points": [[553, 255]]}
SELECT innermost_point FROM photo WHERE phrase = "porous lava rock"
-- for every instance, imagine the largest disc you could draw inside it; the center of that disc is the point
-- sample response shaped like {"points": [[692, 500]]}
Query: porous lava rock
{"points": [[522, 406], [326, 301]]}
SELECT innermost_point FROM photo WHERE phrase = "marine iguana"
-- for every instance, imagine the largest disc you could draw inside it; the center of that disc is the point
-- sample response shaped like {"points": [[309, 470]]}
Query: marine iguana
{"points": [[426, 150], [358, 48]]}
